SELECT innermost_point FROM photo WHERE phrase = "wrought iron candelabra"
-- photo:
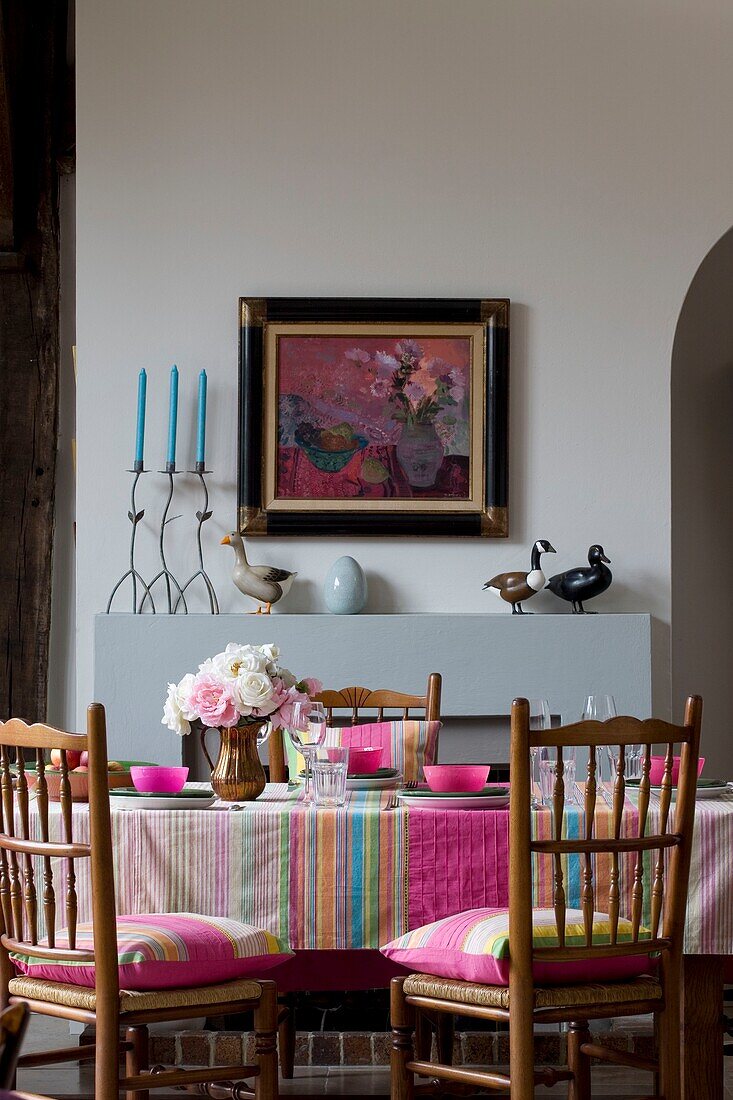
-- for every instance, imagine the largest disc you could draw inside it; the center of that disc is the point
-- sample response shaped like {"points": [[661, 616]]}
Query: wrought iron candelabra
{"points": [[175, 594], [134, 517], [164, 573], [203, 515]]}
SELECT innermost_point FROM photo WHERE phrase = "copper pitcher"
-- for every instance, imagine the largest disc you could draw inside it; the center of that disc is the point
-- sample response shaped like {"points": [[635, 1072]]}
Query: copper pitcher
{"points": [[238, 775]]}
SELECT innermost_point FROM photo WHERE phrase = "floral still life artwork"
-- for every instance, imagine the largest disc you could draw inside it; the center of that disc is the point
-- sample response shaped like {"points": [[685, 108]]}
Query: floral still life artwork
{"points": [[374, 419], [373, 416]]}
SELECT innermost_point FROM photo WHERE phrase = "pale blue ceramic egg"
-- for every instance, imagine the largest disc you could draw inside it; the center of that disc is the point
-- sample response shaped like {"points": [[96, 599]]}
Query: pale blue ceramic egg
{"points": [[345, 587]]}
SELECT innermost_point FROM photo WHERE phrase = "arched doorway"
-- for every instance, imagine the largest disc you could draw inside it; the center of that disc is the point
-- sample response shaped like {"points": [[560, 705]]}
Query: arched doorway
{"points": [[702, 503]]}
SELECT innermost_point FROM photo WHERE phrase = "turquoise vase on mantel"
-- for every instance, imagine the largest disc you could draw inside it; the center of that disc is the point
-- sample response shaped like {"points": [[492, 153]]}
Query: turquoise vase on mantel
{"points": [[345, 587]]}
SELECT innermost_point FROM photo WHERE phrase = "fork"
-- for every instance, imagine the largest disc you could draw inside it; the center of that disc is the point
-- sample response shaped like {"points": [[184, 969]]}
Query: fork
{"points": [[410, 785]]}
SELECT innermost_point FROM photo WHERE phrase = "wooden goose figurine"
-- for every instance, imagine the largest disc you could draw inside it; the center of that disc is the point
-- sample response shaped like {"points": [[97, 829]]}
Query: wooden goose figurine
{"points": [[264, 583], [585, 582], [516, 587]]}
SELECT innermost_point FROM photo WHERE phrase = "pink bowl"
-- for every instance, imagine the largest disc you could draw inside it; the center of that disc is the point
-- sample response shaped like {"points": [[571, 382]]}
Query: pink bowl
{"points": [[158, 780], [457, 777], [656, 771], [364, 761]]}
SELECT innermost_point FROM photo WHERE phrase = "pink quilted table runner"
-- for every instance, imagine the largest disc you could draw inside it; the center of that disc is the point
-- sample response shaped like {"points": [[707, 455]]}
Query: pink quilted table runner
{"points": [[459, 860]]}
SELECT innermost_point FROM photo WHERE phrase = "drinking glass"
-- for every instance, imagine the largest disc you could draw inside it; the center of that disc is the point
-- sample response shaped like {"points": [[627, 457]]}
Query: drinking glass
{"points": [[330, 768], [539, 719], [548, 772], [600, 708], [307, 731]]}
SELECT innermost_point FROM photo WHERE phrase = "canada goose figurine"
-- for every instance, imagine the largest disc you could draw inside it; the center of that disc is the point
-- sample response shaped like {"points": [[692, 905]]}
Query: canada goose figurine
{"points": [[517, 587], [264, 583], [583, 583]]}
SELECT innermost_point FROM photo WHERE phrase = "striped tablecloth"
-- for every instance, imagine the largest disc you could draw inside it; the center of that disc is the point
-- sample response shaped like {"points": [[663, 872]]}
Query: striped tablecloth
{"points": [[359, 876], [327, 879]]}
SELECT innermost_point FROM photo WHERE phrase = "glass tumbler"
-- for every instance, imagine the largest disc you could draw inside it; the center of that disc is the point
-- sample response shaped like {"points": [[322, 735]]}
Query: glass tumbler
{"points": [[539, 719], [548, 773], [330, 767]]}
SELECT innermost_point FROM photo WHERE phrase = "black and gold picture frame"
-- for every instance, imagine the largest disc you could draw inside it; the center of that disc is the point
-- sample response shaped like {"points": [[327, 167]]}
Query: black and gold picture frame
{"points": [[373, 416]]}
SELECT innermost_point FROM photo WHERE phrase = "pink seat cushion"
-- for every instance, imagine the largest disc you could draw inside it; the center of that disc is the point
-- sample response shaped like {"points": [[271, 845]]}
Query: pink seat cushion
{"points": [[474, 946], [167, 951]]}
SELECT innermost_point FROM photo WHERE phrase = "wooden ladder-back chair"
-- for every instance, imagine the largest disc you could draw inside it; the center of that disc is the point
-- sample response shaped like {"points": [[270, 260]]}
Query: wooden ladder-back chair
{"points": [[356, 700], [666, 852], [30, 897]]}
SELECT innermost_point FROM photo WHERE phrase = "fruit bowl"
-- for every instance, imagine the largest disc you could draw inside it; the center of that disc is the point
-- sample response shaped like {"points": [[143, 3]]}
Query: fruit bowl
{"points": [[118, 776], [457, 778], [156, 779], [327, 459]]}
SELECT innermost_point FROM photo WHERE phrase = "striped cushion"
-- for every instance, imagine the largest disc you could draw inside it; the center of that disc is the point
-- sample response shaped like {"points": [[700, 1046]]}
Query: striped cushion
{"points": [[408, 744], [167, 951], [474, 946]]}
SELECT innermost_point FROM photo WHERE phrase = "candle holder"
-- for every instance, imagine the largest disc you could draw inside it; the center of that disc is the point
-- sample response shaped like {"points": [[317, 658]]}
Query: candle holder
{"points": [[165, 573], [134, 517], [203, 515]]}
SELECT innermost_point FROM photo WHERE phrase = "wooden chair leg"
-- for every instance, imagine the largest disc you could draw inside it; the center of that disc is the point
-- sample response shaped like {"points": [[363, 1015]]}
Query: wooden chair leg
{"points": [[286, 1039], [521, 1051], [423, 1037], [136, 1058], [444, 1039], [669, 1039], [402, 1017], [578, 1063], [265, 1022], [107, 1057]]}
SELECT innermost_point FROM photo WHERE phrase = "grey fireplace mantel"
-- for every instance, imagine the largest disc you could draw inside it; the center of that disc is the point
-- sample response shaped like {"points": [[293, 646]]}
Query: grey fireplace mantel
{"points": [[486, 660]]}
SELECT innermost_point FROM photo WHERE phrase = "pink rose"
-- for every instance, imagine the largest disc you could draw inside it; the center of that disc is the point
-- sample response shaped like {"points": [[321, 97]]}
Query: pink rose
{"points": [[212, 700], [311, 686], [285, 715]]}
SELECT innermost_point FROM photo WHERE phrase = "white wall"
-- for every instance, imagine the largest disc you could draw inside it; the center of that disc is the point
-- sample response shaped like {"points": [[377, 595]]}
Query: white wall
{"points": [[575, 156]]}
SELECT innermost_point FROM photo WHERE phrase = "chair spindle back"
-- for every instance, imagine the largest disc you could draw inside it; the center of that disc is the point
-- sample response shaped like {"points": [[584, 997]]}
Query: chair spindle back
{"points": [[356, 700], [34, 843], [667, 847]]}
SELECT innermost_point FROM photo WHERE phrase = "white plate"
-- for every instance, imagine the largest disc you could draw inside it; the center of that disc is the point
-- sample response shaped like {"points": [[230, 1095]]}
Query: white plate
{"points": [[702, 792], [469, 802], [160, 802], [381, 783]]}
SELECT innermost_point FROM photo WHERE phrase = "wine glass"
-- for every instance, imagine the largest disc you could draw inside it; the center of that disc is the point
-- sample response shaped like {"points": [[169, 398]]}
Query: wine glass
{"points": [[307, 731], [601, 708], [539, 719]]}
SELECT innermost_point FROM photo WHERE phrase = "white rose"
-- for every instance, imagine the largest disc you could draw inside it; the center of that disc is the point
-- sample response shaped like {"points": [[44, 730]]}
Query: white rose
{"points": [[177, 713], [253, 689], [251, 661], [235, 659], [271, 652]]}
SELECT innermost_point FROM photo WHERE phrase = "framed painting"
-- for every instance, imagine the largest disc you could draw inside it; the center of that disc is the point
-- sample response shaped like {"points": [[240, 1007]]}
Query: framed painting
{"points": [[373, 416]]}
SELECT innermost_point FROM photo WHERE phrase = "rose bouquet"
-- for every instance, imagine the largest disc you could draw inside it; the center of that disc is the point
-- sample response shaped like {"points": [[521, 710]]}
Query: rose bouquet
{"points": [[244, 685]]}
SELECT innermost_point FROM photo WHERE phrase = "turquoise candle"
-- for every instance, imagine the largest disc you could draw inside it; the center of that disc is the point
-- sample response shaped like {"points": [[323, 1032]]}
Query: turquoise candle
{"points": [[201, 434], [173, 417], [142, 389]]}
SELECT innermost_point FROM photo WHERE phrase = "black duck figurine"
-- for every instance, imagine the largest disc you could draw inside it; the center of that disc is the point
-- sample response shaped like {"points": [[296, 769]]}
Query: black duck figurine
{"points": [[516, 587], [583, 583]]}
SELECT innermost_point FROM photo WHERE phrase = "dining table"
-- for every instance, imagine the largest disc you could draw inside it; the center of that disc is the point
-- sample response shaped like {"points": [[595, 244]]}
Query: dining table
{"points": [[337, 883]]}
